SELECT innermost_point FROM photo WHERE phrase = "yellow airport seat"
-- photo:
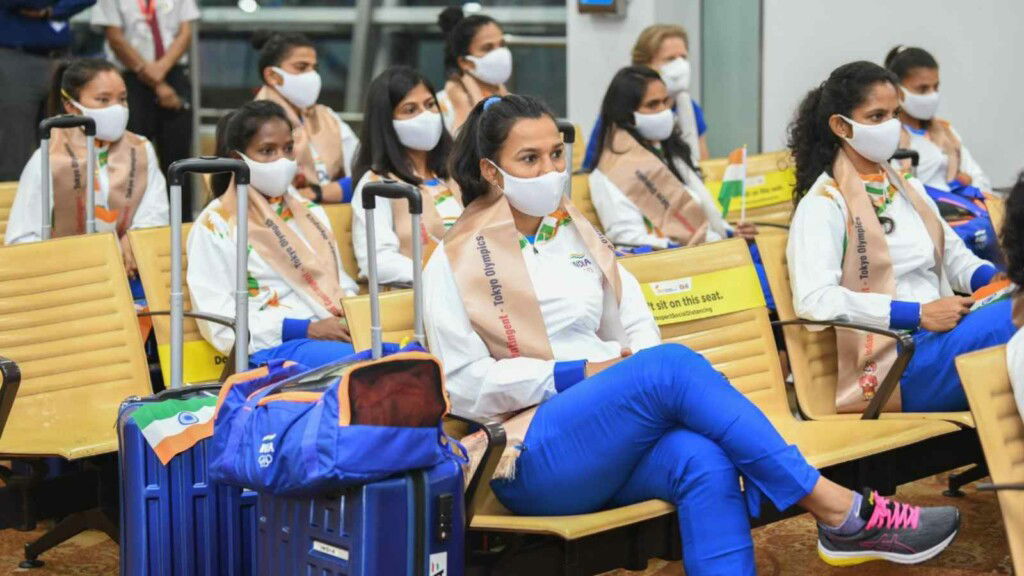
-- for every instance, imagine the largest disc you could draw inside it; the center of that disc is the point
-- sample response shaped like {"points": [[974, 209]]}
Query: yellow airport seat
{"points": [[340, 216], [581, 199], [152, 249], [579, 149], [396, 317], [776, 208], [812, 354], [1001, 430], [67, 320], [7, 192], [996, 211]]}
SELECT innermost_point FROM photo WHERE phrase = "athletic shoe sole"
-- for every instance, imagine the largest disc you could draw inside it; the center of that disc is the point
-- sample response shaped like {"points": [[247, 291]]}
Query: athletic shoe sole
{"points": [[837, 558]]}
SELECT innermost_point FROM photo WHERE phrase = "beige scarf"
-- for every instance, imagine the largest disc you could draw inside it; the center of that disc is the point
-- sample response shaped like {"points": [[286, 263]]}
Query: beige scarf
{"points": [[864, 358], [127, 169], [487, 262], [432, 225], [463, 93], [317, 141], [652, 187], [941, 134], [309, 262]]}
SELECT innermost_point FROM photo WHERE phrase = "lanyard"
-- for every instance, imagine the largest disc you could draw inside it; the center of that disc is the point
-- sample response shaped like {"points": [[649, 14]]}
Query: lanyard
{"points": [[147, 8]]}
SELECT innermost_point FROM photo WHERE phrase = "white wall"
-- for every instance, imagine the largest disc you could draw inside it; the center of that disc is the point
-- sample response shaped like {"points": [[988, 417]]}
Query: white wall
{"points": [[979, 46], [598, 45]]}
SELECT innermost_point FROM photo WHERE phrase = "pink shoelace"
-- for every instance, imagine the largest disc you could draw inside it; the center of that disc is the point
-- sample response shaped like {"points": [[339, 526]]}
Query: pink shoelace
{"points": [[893, 514]]}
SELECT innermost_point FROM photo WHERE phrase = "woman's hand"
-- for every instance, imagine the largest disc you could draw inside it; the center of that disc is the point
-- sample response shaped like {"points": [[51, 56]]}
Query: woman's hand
{"points": [[129, 257], [598, 367], [329, 329], [746, 230], [964, 178], [944, 314]]}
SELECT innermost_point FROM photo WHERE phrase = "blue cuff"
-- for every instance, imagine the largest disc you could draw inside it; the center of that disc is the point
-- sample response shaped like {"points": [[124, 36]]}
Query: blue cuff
{"points": [[904, 315], [346, 189], [569, 373], [294, 328], [982, 276]]}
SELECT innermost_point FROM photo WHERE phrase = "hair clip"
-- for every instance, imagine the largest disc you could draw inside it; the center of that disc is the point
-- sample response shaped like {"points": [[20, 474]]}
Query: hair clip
{"points": [[491, 101]]}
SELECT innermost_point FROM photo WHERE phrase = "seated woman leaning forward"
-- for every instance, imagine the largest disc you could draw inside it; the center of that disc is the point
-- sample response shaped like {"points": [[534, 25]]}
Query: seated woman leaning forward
{"points": [[130, 189], [868, 246], [296, 281], [1013, 246], [645, 188], [531, 315], [403, 139]]}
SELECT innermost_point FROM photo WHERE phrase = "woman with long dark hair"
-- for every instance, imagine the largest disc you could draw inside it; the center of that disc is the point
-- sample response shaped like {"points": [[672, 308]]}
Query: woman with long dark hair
{"points": [[324, 143], [645, 188], [867, 245], [531, 315], [476, 60], [296, 280], [403, 139], [1012, 238]]}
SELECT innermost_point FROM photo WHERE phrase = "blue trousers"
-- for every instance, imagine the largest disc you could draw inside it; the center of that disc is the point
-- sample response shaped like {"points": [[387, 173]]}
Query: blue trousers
{"points": [[931, 382], [661, 424], [306, 351]]}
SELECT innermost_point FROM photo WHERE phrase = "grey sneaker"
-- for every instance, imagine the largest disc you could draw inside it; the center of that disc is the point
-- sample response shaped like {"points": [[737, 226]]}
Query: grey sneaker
{"points": [[895, 531]]}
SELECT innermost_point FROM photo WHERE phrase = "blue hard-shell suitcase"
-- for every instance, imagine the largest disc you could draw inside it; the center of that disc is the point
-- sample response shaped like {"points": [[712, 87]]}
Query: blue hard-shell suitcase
{"points": [[412, 525], [174, 521]]}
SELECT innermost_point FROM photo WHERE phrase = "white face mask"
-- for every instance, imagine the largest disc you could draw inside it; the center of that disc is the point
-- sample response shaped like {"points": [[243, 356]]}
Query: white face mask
{"points": [[875, 142], [271, 178], [302, 90], [657, 126], [920, 106], [110, 121], [676, 75], [538, 196], [421, 132], [495, 67]]}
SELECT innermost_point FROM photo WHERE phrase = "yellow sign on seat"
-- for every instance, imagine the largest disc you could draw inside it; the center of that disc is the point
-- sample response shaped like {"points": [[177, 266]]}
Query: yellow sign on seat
{"points": [[770, 182], [7, 192], [67, 320], [152, 249], [1001, 430]]}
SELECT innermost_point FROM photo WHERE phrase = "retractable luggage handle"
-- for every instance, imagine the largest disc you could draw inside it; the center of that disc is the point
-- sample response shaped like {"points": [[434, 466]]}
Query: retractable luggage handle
{"points": [[176, 174], [905, 154], [396, 190], [568, 131], [68, 121]]}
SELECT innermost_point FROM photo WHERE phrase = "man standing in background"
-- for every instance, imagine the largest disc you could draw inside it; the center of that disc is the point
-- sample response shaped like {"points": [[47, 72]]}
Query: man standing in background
{"points": [[34, 36], [149, 40]]}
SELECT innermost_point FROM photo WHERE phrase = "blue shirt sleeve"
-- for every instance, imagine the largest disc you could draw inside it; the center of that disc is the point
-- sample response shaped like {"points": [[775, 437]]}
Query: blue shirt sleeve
{"points": [[904, 315], [982, 276], [591, 157], [294, 328], [65, 9], [698, 113], [569, 373]]}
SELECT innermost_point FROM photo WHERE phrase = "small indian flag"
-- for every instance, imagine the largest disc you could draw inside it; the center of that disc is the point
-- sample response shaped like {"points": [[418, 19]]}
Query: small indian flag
{"points": [[173, 426], [734, 180]]}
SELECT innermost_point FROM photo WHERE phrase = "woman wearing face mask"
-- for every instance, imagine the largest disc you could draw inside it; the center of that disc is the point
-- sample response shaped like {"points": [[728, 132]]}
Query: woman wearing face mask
{"points": [[665, 49], [639, 137], [476, 61], [945, 163], [324, 144], [403, 139], [526, 306], [130, 190], [296, 280], [868, 246]]}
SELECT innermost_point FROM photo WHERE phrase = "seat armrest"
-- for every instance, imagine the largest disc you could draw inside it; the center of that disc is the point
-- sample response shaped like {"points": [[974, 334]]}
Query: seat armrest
{"points": [[479, 487], [892, 379], [9, 390], [760, 224], [215, 318], [999, 487]]}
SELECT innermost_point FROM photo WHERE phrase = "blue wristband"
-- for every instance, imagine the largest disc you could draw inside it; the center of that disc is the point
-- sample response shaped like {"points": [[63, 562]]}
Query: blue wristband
{"points": [[569, 373], [904, 315], [346, 189], [982, 276], [294, 328]]}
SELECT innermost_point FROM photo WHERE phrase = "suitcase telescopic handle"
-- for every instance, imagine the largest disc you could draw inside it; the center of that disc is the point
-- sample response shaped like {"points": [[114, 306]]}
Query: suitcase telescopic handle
{"points": [[568, 130], [395, 190], [176, 175], [907, 154], [46, 129]]}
